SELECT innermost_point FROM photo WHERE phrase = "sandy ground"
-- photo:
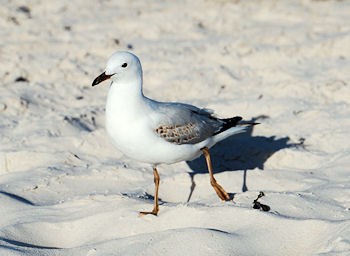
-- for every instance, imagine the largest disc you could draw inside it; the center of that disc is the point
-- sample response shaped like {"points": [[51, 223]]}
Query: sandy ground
{"points": [[64, 189]]}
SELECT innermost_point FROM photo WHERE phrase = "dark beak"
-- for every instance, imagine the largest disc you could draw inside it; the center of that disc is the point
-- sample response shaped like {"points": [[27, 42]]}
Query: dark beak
{"points": [[101, 78]]}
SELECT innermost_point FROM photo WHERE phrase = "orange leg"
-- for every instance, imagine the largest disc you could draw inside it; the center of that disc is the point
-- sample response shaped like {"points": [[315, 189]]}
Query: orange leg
{"points": [[156, 206], [218, 189]]}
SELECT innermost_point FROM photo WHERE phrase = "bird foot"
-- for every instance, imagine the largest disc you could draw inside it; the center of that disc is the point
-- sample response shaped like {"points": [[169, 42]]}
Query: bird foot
{"points": [[154, 212], [221, 192]]}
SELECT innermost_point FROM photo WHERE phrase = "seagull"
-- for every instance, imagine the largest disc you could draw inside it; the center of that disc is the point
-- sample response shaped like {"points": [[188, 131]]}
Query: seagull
{"points": [[155, 132]]}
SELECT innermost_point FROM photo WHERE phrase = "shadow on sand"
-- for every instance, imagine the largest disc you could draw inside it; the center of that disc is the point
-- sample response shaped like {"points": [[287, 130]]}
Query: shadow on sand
{"points": [[241, 152]]}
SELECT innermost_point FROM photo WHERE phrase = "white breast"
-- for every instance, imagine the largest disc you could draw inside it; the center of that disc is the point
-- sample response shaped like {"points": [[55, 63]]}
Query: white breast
{"points": [[131, 128]]}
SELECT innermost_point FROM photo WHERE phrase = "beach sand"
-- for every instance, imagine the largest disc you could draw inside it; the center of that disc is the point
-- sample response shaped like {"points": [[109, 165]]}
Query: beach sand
{"points": [[65, 190]]}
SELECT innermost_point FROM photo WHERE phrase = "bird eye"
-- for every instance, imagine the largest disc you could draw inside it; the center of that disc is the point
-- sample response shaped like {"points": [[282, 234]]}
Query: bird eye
{"points": [[125, 65]]}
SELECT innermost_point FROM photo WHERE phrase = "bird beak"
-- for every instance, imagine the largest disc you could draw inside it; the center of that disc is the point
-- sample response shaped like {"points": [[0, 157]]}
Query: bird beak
{"points": [[101, 78]]}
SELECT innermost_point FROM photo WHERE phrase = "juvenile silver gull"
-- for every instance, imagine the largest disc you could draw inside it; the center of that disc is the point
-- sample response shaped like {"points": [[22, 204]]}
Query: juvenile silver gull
{"points": [[159, 132]]}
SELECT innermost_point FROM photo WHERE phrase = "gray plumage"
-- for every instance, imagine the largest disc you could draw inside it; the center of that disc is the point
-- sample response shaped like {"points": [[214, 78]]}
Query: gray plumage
{"points": [[186, 124]]}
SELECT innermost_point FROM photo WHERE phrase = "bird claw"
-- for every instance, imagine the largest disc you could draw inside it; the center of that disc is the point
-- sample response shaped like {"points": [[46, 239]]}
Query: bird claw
{"points": [[221, 192], [154, 212]]}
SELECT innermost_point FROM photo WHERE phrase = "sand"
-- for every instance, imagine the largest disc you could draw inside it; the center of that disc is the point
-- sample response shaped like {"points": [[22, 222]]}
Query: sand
{"points": [[65, 190]]}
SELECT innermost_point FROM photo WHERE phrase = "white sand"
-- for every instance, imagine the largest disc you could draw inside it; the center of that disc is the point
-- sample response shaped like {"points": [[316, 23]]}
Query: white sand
{"points": [[63, 185]]}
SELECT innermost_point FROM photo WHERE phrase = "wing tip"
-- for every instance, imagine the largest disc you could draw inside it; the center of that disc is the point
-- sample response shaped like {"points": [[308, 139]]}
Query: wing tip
{"points": [[247, 124], [234, 122]]}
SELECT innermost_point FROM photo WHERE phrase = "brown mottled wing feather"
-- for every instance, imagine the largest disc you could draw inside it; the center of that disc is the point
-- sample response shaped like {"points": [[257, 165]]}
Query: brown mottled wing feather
{"points": [[179, 134]]}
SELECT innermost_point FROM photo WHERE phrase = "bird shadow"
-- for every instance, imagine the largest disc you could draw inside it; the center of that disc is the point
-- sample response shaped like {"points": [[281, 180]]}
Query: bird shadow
{"points": [[241, 153]]}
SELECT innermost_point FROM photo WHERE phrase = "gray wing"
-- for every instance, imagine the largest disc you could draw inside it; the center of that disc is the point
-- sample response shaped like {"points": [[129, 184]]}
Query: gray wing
{"points": [[185, 124]]}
